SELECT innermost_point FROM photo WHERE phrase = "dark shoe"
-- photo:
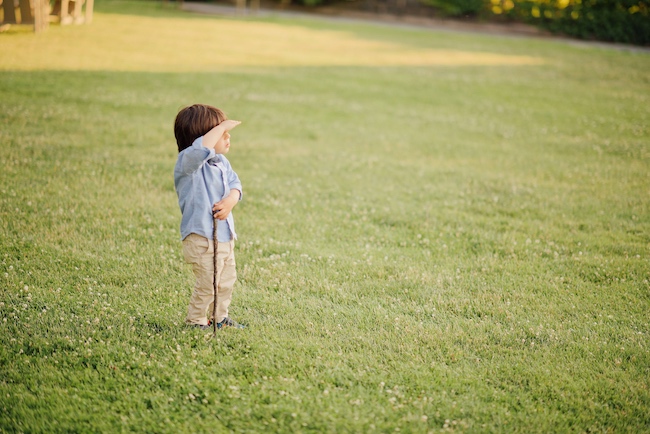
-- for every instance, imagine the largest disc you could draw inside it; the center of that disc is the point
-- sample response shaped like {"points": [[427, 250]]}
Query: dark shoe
{"points": [[228, 322], [202, 326]]}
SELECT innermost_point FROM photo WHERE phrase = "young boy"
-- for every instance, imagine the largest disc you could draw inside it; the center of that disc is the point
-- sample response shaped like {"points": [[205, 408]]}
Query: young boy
{"points": [[207, 187]]}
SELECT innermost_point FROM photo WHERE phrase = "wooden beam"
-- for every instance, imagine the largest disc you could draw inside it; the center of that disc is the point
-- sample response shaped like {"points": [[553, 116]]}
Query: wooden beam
{"points": [[10, 11], [65, 12], [89, 11], [41, 14], [241, 7], [78, 17], [26, 12]]}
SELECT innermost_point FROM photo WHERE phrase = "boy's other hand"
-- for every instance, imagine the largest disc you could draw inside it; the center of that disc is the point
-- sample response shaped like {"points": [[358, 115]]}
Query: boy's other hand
{"points": [[222, 209]]}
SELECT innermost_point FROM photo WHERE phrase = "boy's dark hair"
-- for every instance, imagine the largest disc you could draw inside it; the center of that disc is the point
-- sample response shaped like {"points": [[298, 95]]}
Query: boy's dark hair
{"points": [[194, 121]]}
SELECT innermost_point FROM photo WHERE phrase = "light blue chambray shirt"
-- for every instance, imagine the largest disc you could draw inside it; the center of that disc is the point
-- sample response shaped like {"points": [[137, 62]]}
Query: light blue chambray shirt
{"points": [[202, 178]]}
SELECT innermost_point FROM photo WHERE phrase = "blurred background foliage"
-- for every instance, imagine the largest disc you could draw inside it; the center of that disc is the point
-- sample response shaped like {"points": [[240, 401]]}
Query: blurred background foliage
{"points": [[622, 21], [626, 21]]}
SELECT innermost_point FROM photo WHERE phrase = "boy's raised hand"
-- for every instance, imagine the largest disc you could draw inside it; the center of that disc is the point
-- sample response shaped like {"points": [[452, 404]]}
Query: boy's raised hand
{"points": [[229, 124], [211, 138]]}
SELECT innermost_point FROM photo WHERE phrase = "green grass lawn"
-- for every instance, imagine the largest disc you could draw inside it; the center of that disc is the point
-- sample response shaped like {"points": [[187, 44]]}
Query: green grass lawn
{"points": [[439, 232]]}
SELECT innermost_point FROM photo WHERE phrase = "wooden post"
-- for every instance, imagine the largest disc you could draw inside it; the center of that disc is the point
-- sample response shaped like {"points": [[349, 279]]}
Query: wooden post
{"points": [[89, 11], [41, 14], [255, 6], [26, 12], [78, 17], [65, 14], [401, 7], [10, 12], [241, 7]]}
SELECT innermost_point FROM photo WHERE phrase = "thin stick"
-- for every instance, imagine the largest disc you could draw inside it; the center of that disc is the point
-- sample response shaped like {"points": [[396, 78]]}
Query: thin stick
{"points": [[215, 282]]}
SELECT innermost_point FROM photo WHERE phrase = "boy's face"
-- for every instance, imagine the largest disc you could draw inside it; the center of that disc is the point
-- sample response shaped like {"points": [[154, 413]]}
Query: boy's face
{"points": [[223, 145]]}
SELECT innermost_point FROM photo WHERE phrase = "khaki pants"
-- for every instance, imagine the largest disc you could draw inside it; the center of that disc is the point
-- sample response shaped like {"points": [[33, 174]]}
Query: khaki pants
{"points": [[199, 252]]}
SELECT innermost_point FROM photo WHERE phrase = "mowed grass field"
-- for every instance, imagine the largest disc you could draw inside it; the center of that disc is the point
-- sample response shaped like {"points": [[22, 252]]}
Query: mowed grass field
{"points": [[440, 232]]}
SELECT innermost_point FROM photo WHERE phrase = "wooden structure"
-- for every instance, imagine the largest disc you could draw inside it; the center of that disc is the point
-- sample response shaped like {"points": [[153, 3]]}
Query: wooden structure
{"points": [[39, 12], [75, 14]]}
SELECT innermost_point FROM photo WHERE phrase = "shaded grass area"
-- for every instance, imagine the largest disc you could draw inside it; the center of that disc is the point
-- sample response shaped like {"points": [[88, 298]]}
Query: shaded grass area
{"points": [[457, 248]]}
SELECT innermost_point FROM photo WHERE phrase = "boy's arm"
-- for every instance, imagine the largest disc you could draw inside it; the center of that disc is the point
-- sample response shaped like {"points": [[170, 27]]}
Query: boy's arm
{"points": [[222, 209], [211, 138], [203, 148], [195, 156]]}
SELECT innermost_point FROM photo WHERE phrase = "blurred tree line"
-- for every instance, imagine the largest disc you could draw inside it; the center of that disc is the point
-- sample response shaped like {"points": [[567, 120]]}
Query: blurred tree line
{"points": [[624, 21]]}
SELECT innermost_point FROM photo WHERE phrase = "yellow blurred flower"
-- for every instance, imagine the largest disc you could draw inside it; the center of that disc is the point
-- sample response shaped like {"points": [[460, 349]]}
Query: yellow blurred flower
{"points": [[535, 12], [508, 4], [497, 9], [633, 9]]}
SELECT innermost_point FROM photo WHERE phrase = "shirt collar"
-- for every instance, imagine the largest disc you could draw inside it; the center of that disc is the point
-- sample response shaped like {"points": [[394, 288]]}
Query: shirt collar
{"points": [[215, 160]]}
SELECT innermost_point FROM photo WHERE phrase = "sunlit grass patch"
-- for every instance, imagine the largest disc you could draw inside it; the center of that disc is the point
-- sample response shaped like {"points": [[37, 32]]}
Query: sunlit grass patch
{"points": [[118, 42]]}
